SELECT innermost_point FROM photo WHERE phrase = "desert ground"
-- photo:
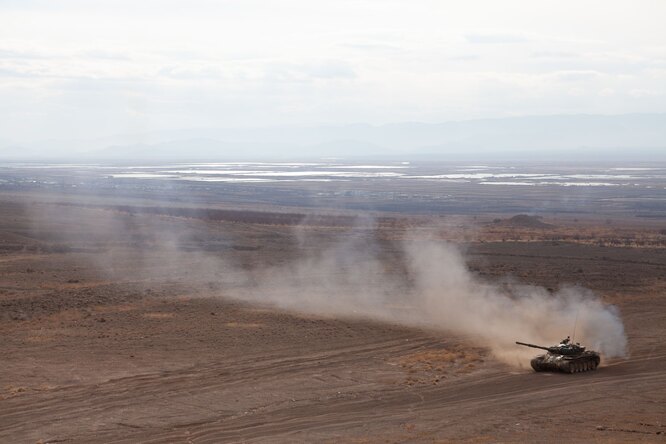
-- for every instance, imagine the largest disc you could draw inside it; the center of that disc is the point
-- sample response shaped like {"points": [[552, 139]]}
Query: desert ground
{"points": [[106, 336]]}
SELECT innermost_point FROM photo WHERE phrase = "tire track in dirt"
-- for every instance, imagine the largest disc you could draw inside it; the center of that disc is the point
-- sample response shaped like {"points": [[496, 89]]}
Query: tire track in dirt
{"points": [[493, 392], [69, 403]]}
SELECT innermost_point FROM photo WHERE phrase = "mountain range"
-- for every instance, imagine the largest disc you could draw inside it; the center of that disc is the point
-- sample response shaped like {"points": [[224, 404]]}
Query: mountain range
{"points": [[627, 137]]}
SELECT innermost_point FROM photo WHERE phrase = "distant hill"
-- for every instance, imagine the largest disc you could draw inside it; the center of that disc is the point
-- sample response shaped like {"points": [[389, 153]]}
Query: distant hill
{"points": [[630, 137], [525, 221]]}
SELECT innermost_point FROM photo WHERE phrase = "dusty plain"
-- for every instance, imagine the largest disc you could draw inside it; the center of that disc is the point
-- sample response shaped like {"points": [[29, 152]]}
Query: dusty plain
{"points": [[103, 338]]}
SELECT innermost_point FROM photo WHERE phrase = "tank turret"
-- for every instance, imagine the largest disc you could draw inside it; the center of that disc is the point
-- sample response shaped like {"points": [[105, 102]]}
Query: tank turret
{"points": [[563, 348], [565, 357]]}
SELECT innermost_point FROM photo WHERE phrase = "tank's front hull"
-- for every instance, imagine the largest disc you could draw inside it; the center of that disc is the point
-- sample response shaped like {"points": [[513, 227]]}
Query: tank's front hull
{"points": [[567, 364]]}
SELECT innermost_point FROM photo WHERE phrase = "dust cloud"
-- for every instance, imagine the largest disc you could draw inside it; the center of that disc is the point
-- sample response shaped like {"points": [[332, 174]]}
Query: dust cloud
{"points": [[440, 292], [422, 282], [452, 297]]}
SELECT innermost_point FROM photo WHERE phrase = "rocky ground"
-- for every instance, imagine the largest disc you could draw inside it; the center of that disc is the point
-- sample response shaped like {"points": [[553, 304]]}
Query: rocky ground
{"points": [[105, 337]]}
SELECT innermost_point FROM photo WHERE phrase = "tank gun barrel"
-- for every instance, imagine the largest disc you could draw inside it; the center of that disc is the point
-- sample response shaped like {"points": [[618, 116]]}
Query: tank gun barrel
{"points": [[532, 345]]}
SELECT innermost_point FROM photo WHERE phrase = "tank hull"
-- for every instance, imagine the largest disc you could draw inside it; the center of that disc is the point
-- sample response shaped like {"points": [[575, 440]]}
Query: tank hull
{"points": [[587, 361]]}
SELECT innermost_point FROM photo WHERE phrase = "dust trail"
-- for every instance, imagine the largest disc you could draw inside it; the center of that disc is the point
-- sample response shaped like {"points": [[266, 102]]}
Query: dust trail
{"points": [[438, 292], [352, 272], [452, 297]]}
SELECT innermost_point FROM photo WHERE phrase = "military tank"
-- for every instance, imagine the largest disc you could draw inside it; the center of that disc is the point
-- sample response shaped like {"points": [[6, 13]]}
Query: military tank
{"points": [[564, 357]]}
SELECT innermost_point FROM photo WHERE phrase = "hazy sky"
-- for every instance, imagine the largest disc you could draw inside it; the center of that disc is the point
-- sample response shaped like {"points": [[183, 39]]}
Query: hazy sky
{"points": [[94, 68]]}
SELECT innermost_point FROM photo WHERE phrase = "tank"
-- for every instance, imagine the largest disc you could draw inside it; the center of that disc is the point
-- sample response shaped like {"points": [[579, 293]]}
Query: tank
{"points": [[564, 357]]}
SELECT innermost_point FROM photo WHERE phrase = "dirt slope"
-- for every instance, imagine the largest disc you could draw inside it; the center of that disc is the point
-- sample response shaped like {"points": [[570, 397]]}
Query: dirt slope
{"points": [[145, 356]]}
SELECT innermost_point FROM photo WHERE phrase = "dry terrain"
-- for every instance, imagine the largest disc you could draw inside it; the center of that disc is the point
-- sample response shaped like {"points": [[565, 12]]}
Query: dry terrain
{"points": [[106, 336]]}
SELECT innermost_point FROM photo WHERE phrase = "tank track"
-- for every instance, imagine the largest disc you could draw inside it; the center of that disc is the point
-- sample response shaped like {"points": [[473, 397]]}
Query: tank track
{"points": [[576, 365]]}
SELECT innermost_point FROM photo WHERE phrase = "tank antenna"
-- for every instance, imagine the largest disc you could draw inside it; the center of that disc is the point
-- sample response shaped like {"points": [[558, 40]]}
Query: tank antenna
{"points": [[573, 337]]}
